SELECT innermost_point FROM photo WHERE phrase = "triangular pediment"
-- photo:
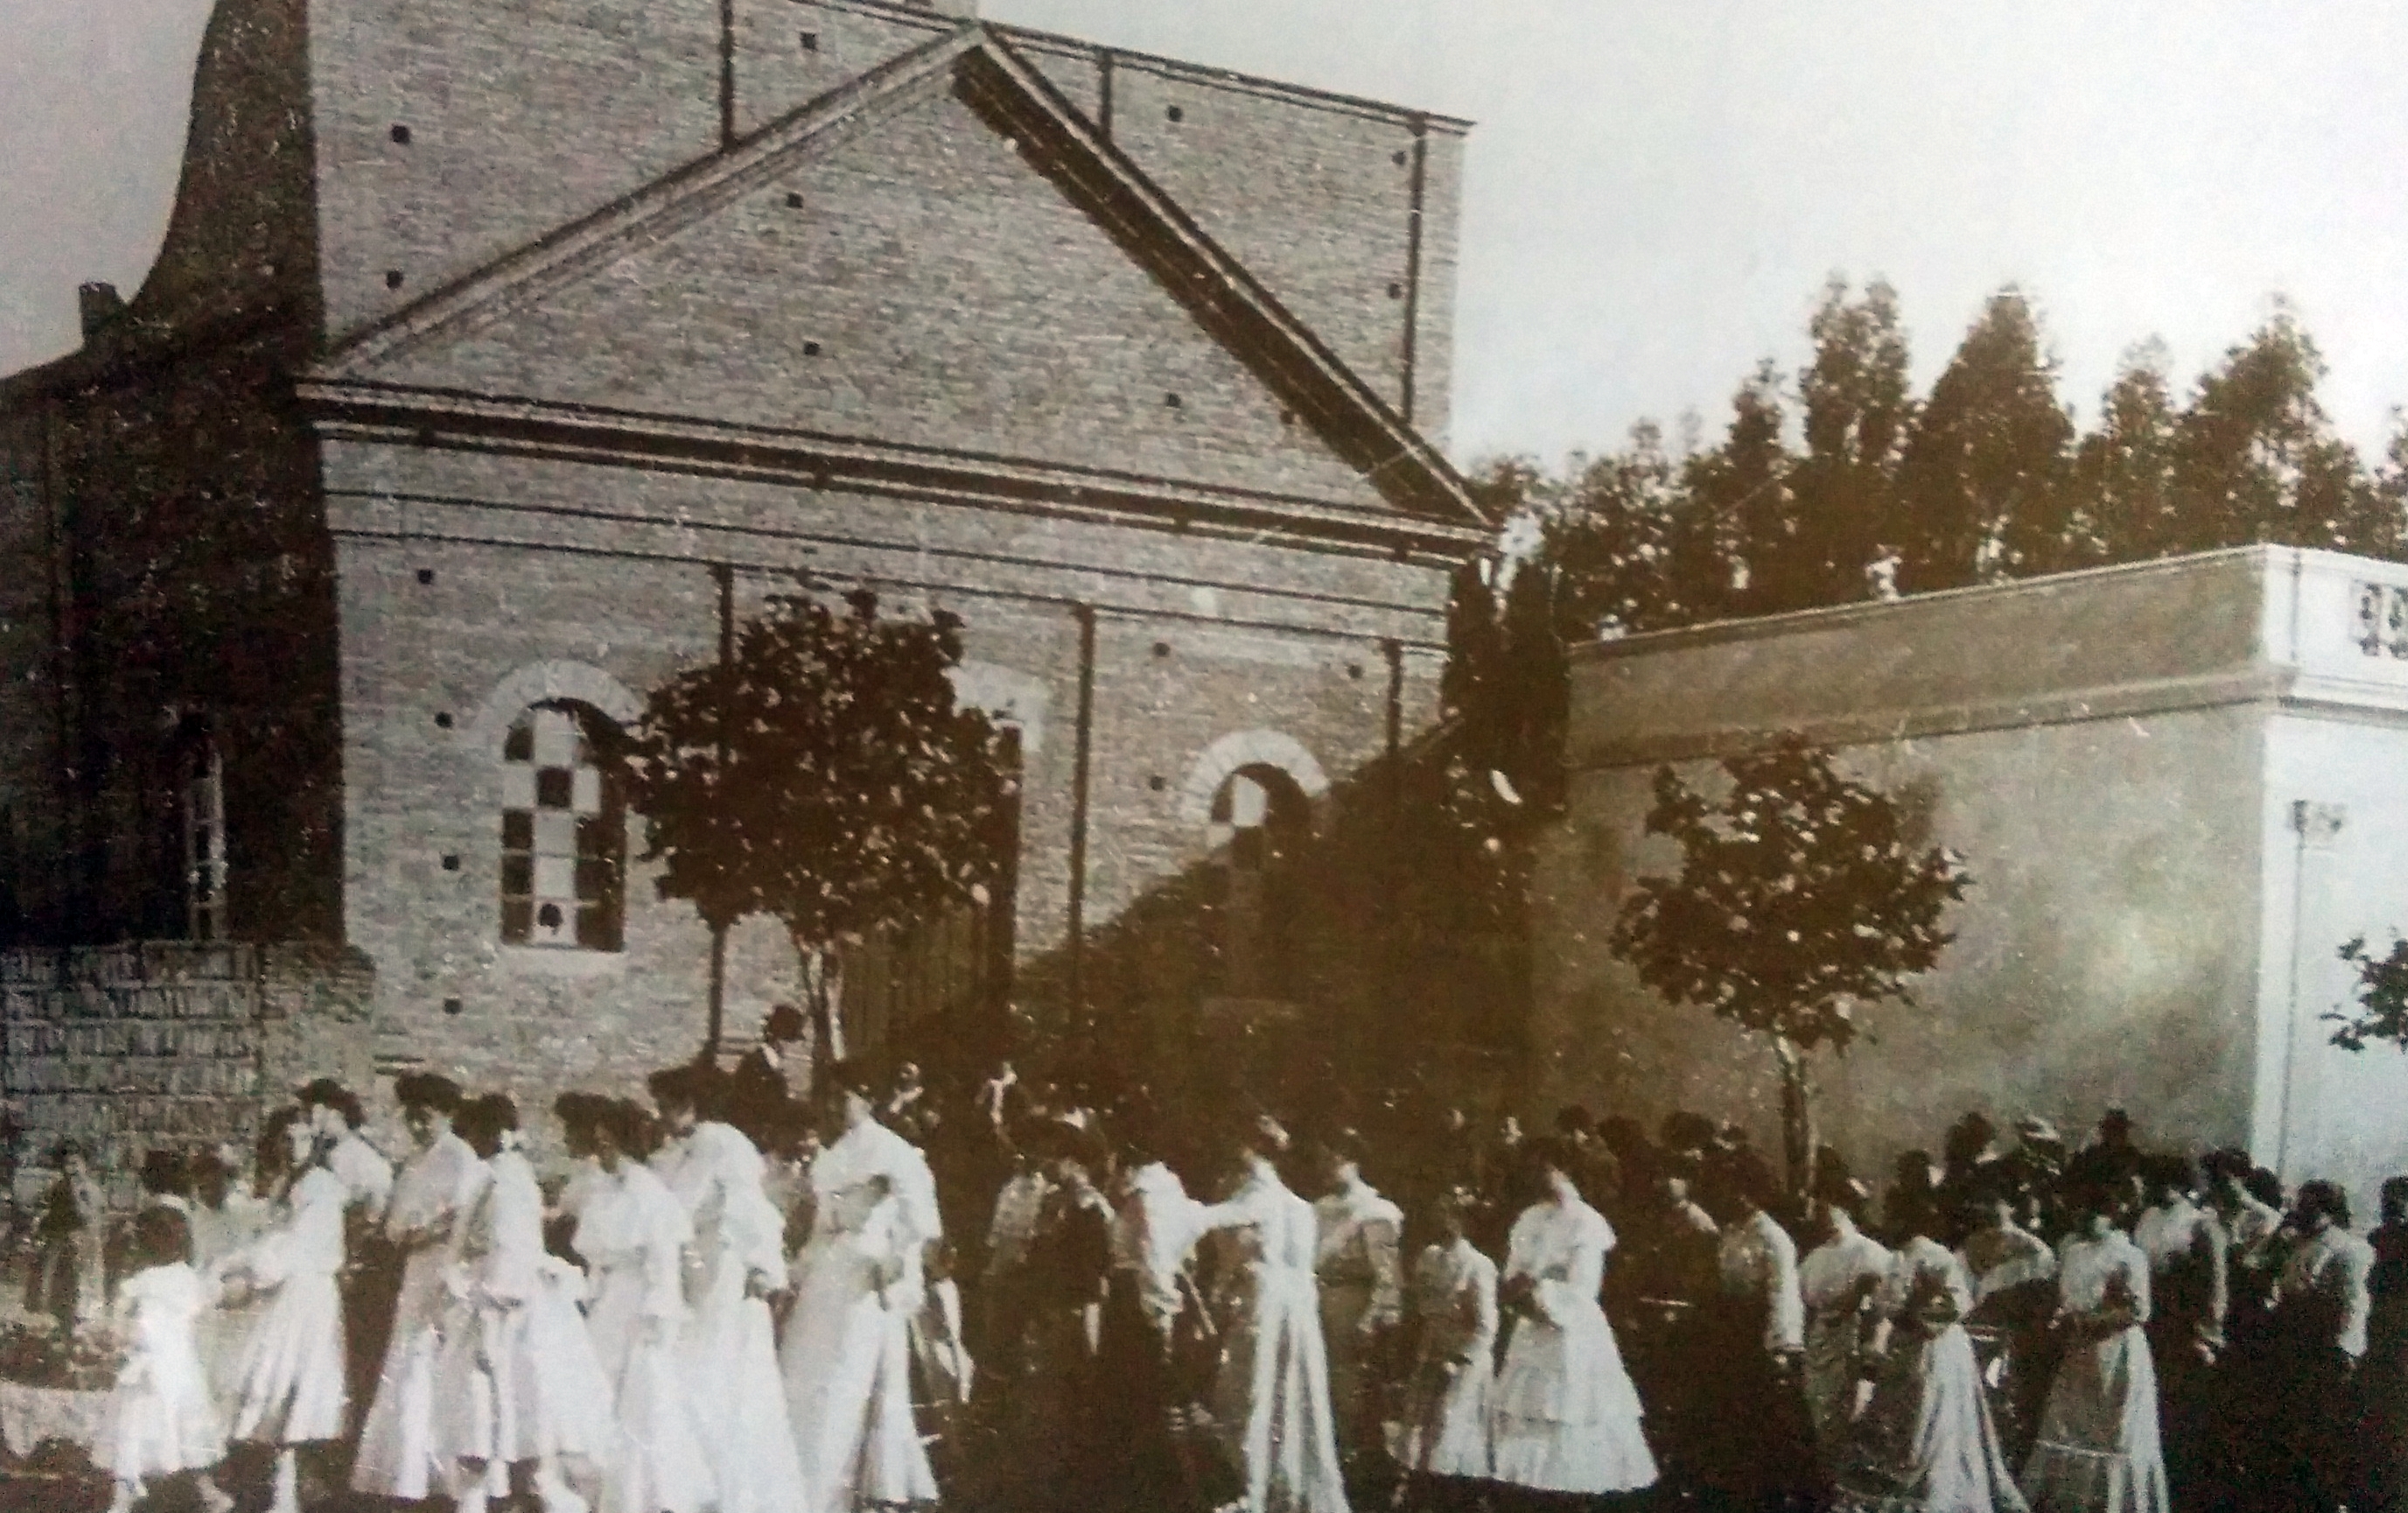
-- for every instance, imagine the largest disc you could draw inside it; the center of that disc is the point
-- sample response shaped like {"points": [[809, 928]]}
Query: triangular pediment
{"points": [[941, 256]]}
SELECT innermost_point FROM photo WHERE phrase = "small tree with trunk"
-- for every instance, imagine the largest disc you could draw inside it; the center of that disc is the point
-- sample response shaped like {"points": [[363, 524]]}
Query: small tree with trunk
{"points": [[2382, 1009], [1801, 900], [823, 775]]}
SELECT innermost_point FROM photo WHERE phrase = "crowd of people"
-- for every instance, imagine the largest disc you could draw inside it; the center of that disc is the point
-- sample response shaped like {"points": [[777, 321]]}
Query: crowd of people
{"points": [[726, 1299]]}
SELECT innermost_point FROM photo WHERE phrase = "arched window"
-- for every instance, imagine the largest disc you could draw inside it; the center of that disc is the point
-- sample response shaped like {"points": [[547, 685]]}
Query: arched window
{"points": [[1261, 822], [205, 841], [564, 833]]}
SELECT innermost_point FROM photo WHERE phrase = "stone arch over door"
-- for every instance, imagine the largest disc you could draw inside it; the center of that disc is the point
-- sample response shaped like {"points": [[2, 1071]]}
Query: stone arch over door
{"points": [[1241, 749]]}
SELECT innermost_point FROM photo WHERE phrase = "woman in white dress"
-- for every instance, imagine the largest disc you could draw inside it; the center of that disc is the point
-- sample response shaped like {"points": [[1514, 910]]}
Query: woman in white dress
{"points": [[289, 1383], [1445, 1446], [1271, 1398], [2013, 1276], [227, 1216], [162, 1421], [1926, 1442], [398, 1457], [1838, 1281], [847, 1353], [2098, 1449], [730, 1347], [1566, 1417], [635, 1238], [519, 1385]]}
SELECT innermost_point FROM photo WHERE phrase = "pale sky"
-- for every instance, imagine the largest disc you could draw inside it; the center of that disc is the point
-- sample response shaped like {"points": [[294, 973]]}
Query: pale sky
{"points": [[1655, 192]]}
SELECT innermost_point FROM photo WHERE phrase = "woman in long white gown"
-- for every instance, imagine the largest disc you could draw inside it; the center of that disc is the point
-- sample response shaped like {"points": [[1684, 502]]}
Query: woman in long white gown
{"points": [[847, 1353], [1566, 1416], [1270, 1399], [635, 1238], [519, 1385], [1925, 1443], [1445, 1446], [2098, 1448], [1838, 1281], [289, 1384], [730, 1347], [398, 1456]]}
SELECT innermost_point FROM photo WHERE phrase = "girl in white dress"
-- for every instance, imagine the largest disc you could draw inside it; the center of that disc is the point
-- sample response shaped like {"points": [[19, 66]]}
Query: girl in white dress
{"points": [[398, 1457], [847, 1353], [730, 1345], [162, 1421], [1838, 1280], [289, 1383], [1566, 1417], [2098, 1449], [519, 1388], [1925, 1443], [636, 1239], [1270, 1400], [1445, 1446]]}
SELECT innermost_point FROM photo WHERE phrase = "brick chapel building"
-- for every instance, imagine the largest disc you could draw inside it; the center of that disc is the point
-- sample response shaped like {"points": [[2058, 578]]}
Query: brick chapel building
{"points": [[499, 359]]}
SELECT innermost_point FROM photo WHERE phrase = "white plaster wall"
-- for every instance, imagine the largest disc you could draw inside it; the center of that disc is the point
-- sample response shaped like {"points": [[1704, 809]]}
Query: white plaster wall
{"points": [[2105, 955], [2323, 1112]]}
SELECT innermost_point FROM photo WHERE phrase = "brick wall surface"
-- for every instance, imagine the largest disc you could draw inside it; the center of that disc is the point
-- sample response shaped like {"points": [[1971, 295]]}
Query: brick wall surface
{"points": [[520, 118], [169, 1044], [1174, 674], [932, 289]]}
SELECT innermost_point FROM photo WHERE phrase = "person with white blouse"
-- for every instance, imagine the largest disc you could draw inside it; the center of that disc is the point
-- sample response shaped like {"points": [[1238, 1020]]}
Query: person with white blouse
{"points": [[288, 1388], [1759, 1448], [635, 1237], [2098, 1449], [1565, 1418], [521, 1392], [1446, 1448], [1270, 1401], [857, 1283], [1838, 1282], [730, 1347], [398, 1457]]}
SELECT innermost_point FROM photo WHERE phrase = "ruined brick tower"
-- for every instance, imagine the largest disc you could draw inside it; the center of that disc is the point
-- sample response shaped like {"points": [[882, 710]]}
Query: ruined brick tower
{"points": [[499, 359]]}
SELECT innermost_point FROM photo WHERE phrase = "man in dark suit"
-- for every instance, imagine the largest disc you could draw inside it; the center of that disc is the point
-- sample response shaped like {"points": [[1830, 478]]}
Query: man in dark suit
{"points": [[758, 1090]]}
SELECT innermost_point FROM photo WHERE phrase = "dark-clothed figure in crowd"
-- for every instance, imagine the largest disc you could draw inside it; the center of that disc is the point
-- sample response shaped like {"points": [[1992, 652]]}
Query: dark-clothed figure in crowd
{"points": [[2246, 1390], [1069, 1262], [2186, 1248], [70, 1282], [1759, 1449], [759, 1088], [2319, 1331], [2382, 1372], [2109, 1162], [1911, 1206]]}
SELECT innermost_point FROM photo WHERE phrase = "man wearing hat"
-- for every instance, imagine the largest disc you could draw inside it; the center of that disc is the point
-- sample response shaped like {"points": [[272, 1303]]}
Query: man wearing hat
{"points": [[758, 1090], [398, 1456]]}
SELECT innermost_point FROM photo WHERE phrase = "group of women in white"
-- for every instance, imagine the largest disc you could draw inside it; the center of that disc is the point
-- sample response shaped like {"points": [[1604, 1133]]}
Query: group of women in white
{"points": [[653, 1377]]}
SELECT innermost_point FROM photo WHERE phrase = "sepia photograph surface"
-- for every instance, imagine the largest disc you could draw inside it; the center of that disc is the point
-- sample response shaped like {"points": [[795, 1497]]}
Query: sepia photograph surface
{"points": [[1279, 756]]}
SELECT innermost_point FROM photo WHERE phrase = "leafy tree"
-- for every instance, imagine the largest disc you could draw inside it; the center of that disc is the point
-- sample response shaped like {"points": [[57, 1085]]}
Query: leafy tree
{"points": [[2382, 997], [2125, 505], [1981, 481], [1743, 488], [2256, 459], [1632, 550], [1800, 899], [1858, 414], [822, 776]]}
